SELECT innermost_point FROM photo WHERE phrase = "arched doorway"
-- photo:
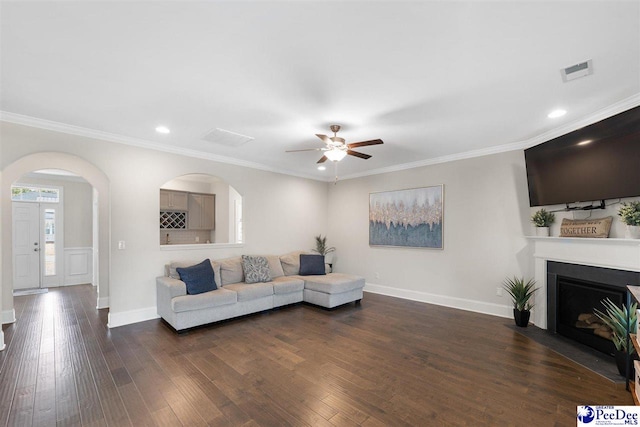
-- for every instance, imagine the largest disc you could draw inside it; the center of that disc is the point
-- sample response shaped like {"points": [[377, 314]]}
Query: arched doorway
{"points": [[101, 189]]}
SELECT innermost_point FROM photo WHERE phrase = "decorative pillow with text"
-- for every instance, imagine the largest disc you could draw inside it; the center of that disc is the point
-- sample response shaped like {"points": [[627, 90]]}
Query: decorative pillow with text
{"points": [[598, 227]]}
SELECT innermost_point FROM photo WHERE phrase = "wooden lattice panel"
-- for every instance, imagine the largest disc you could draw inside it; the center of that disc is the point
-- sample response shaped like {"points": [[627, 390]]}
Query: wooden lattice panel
{"points": [[173, 220]]}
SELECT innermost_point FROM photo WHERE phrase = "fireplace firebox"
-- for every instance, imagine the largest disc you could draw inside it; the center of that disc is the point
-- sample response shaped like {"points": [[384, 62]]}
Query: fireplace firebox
{"points": [[574, 291]]}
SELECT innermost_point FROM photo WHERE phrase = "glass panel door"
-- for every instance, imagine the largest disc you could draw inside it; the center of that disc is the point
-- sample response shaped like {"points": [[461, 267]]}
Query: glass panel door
{"points": [[49, 242]]}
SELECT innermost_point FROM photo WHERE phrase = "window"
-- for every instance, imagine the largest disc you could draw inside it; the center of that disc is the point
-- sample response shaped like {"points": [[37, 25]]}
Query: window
{"points": [[49, 242], [239, 231], [20, 193]]}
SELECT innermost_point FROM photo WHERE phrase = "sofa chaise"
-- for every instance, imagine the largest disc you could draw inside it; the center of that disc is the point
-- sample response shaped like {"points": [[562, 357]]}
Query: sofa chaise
{"points": [[234, 297]]}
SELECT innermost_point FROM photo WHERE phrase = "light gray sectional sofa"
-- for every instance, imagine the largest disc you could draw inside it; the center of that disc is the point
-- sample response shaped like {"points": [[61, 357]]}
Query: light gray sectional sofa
{"points": [[235, 298]]}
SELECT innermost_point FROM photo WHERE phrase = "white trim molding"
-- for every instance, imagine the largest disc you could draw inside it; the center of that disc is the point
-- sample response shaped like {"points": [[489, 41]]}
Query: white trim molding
{"points": [[132, 316], [78, 266], [200, 246], [103, 302], [618, 107], [443, 300], [620, 254], [8, 316], [611, 110], [2, 344], [137, 142]]}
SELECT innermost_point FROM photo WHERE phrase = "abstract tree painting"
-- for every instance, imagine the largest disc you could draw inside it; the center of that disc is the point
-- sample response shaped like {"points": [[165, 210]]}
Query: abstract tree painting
{"points": [[411, 218]]}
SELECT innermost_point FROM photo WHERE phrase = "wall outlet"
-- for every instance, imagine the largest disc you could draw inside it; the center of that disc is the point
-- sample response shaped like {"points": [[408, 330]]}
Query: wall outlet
{"points": [[376, 275], [499, 291], [197, 239], [121, 245]]}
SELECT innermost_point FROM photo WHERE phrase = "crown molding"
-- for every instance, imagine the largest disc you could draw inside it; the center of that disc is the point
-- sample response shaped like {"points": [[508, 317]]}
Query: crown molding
{"points": [[618, 107], [138, 142]]}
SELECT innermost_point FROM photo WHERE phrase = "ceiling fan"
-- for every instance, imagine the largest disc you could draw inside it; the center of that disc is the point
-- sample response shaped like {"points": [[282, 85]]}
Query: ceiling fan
{"points": [[337, 148]]}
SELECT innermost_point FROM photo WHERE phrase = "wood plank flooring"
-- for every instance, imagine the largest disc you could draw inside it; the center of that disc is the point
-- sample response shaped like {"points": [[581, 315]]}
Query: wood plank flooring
{"points": [[388, 362]]}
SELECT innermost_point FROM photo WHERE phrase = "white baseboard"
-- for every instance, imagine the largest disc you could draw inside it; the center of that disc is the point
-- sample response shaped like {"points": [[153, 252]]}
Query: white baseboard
{"points": [[132, 316], [8, 316], [103, 302], [444, 300]]}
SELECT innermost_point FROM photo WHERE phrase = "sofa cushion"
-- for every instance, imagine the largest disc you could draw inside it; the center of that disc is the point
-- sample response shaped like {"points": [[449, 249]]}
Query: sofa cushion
{"points": [[170, 270], [287, 284], [275, 266], [209, 299], [333, 283], [253, 291], [311, 264], [255, 269], [198, 278], [291, 263], [230, 270]]}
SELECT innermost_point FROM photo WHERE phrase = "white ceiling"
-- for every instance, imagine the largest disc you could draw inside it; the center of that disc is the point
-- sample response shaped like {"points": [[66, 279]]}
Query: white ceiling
{"points": [[432, 79]]}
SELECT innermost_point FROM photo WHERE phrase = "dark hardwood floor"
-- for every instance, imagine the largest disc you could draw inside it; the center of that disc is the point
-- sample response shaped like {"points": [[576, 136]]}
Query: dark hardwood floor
{"points": [[388, 362]]}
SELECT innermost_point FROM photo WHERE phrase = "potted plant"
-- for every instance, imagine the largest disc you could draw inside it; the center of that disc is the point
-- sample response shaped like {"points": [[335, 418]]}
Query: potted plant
{"points": [[521, 292], [630, 214], [542, 220], [615, 317], [322, 249]]}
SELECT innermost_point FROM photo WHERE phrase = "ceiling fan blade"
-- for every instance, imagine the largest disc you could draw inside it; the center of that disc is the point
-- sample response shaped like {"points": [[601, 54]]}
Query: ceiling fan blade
{"points": [[365, 143], [356, 154], [322, 159], [306, 149], [324, 138]]}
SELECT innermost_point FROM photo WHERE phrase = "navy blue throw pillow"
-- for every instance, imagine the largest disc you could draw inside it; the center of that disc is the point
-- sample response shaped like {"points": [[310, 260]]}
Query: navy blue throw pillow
{"points": [[198, 278], [311, 265]]}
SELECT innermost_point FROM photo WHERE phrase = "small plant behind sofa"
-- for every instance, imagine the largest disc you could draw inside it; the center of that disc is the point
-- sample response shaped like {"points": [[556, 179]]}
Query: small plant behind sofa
{"points": [[321, 246], [322, 249]]}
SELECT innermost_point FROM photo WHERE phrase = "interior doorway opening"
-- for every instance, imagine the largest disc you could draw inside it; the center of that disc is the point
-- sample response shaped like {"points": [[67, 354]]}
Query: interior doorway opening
{"points": [[45, 252]]}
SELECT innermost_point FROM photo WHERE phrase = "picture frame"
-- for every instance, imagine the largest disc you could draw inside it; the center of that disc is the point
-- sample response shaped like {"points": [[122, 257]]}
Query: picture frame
{"points": [[411, 218]]}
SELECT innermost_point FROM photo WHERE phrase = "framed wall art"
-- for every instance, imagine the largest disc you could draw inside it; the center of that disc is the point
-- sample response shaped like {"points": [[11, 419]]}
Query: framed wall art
{"points": [[407, 218]]}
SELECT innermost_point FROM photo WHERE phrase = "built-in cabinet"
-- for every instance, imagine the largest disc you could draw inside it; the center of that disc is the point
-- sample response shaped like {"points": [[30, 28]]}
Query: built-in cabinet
{"points": [[201, 211], [186, 217], [174, 200]]}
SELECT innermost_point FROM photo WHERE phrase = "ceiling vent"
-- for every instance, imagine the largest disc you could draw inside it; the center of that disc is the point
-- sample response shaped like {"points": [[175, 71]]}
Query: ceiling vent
{"points": [[225, 137], [576, 71]]}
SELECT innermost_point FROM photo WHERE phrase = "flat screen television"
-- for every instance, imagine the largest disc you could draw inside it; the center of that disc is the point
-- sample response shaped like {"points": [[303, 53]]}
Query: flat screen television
{"points": [[597, 162]]}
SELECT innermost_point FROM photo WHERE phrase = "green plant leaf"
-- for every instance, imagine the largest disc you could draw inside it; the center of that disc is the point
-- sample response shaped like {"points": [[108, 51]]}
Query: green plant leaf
{"points": [[521, 292], [616, 318]]}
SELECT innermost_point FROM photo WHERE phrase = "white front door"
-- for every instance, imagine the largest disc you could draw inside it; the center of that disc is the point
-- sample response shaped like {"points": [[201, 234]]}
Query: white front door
{"points": [[26, 245]]}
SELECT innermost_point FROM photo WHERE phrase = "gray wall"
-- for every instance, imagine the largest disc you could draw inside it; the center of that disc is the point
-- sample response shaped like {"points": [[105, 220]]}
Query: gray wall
{"points": [[486, 214], [282, 213]]}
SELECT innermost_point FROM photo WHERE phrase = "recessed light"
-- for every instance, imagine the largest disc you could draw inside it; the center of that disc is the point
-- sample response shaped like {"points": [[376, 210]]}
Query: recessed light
{"points": [[557, 113], [322, 168], [163, 129], [585, 142]]}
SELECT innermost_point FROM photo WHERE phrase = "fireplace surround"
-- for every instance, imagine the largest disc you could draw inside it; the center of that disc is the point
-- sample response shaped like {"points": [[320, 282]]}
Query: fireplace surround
{"points": [[615, 254], [574, 291]]}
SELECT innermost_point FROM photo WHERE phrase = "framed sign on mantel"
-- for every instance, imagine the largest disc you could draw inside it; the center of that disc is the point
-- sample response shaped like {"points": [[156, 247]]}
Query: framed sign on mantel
{"points": [[407, 218]]}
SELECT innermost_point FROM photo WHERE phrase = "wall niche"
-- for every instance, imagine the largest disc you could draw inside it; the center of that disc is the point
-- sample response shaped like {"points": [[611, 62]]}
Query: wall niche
{"points": [[199, 209]]}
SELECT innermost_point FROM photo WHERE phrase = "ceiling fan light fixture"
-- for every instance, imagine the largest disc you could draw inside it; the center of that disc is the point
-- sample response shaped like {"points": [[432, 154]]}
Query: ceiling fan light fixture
{"points": [[335, 155], [337, 140]]}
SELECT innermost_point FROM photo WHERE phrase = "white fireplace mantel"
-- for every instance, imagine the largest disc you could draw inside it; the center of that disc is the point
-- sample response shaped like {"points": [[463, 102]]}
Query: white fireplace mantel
{"points": [[620, 254]]}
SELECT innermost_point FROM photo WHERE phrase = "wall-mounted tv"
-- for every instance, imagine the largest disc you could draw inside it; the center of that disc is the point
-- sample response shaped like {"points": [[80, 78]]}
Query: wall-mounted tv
{"points": [[597, 162]]}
